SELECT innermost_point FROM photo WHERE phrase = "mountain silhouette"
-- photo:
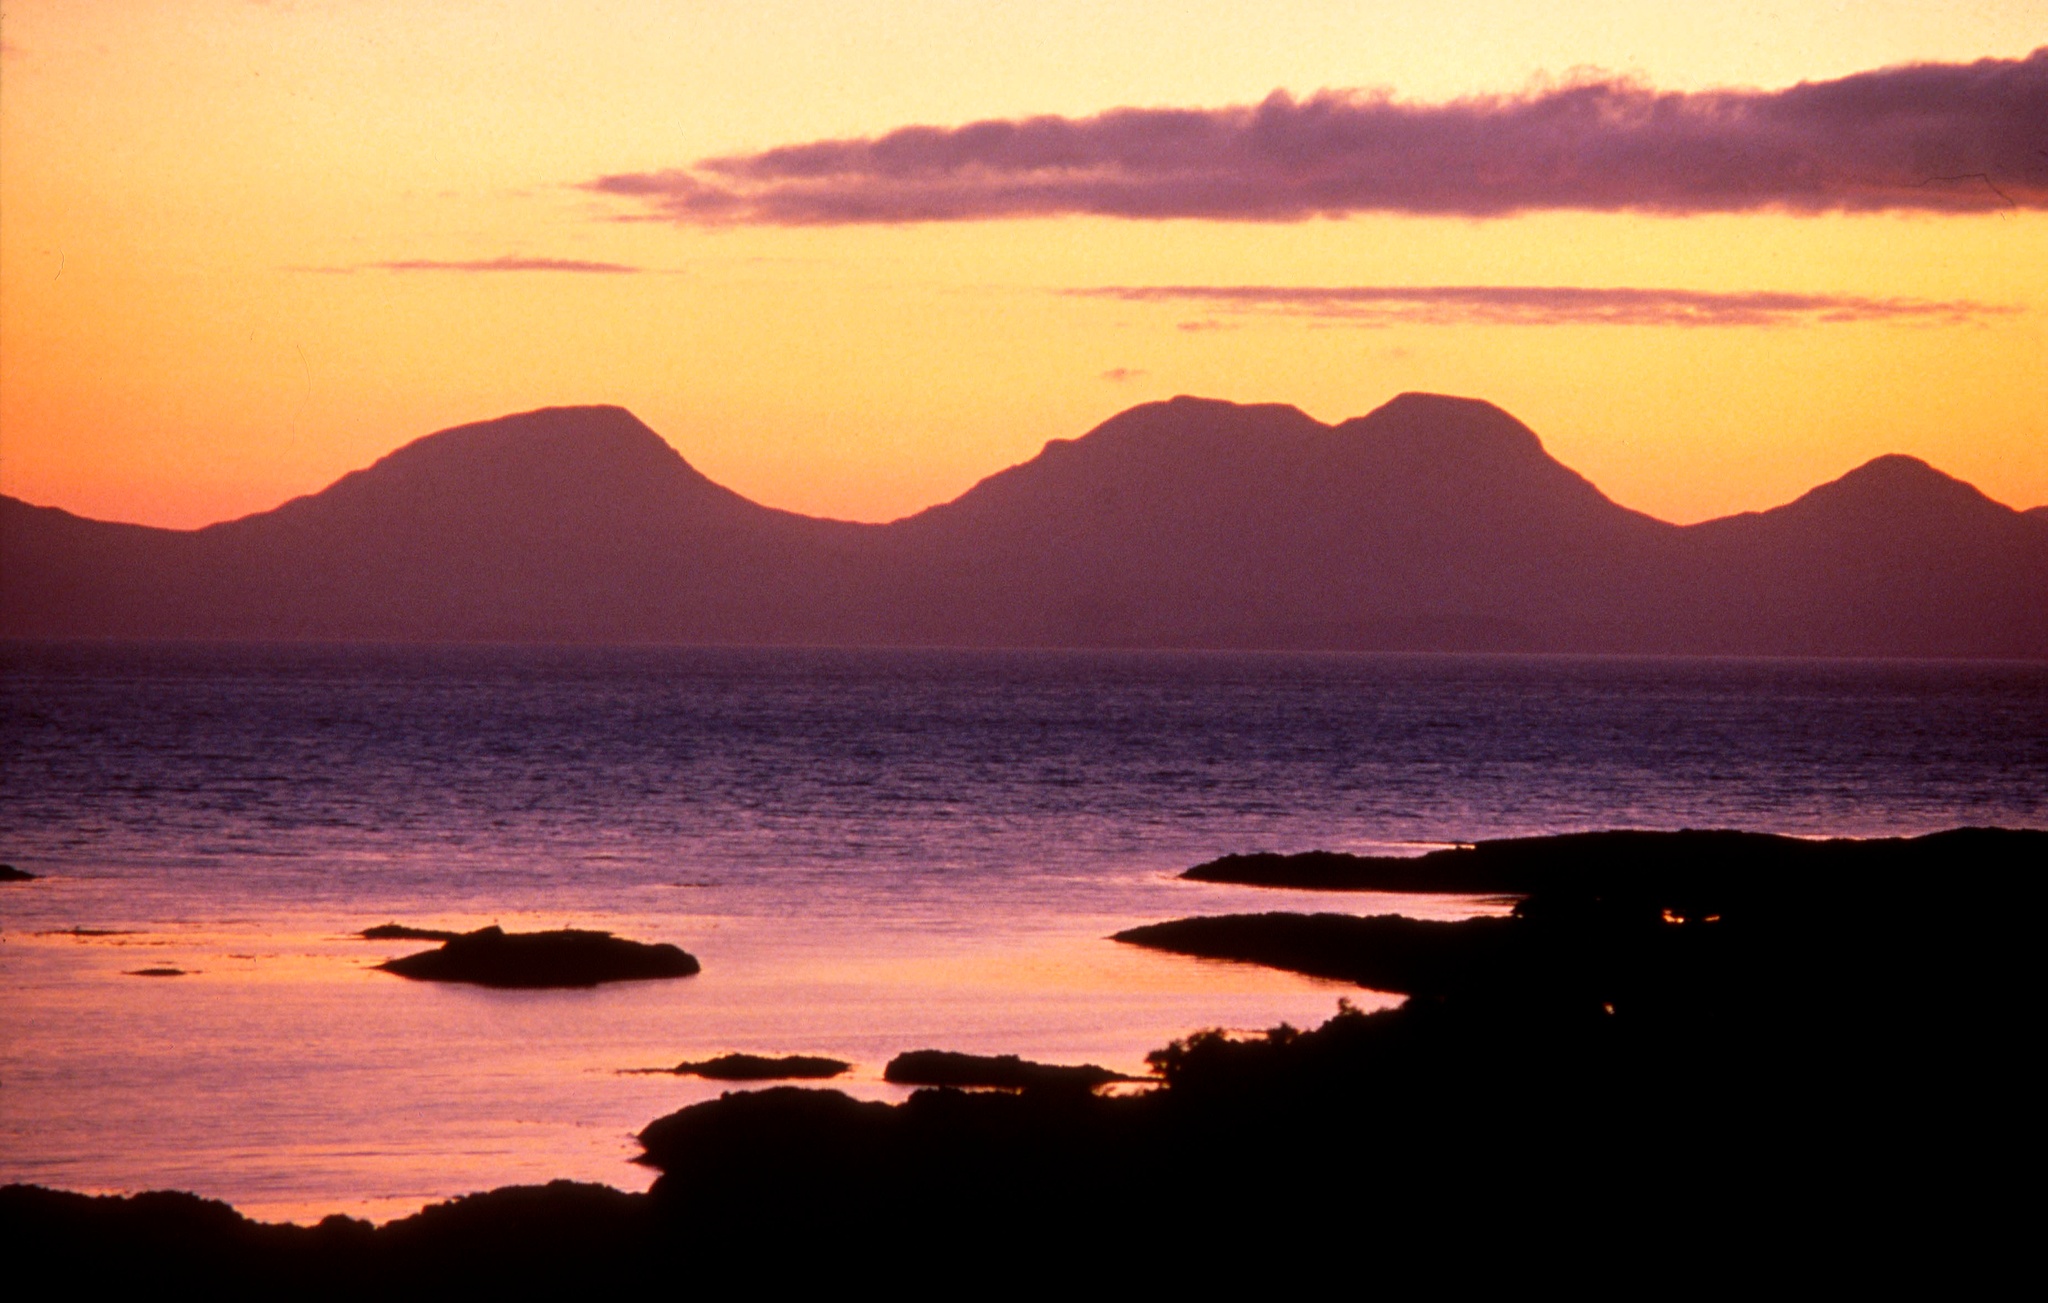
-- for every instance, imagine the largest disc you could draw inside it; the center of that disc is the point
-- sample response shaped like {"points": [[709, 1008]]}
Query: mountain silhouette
{"points": [[1432, 523]]}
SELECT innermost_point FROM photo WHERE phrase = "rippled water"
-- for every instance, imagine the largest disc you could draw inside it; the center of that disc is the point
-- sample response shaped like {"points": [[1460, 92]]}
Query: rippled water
{"points": [[870, 851]]}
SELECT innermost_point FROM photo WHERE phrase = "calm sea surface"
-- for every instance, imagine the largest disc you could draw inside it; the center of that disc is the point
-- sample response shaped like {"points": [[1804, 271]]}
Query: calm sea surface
{"points": [[870, 852]]}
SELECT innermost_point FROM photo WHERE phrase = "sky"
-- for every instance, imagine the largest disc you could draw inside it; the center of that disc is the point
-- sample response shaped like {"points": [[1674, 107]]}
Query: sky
{"points": [[849, 259]]}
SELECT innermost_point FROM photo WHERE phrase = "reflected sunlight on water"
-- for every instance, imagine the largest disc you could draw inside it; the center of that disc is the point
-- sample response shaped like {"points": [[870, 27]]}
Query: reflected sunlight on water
{"points": [[870, 853]]}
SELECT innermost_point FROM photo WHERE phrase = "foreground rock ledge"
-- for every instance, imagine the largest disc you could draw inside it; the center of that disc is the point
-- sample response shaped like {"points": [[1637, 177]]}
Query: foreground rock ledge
{"points": [[568, 957]]}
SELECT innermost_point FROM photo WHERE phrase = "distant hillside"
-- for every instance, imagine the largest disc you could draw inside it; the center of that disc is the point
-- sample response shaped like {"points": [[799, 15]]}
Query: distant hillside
{"points": [[1431, 524], [567, 524]]}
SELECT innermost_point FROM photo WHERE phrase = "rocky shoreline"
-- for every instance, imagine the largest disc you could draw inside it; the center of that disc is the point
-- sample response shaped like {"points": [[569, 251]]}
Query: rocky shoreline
{"points": [[1682, 1052]]}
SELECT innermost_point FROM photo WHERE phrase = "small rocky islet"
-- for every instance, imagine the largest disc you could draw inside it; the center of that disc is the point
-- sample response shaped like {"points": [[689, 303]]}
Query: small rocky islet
{"points": [[994, 1071], [566, 957], [762, 1067]]}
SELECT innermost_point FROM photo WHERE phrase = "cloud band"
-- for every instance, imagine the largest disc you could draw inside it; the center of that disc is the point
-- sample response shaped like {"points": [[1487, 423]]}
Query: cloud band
{"points": [[508, 264], [1535, 305], [1949, 138]]}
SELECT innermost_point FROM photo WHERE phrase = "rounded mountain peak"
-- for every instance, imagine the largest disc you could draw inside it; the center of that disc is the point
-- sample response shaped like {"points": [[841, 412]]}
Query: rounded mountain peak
{"points": [[537, 463], [595, 443], [1890, 484], [1185, 414], [1441, 426], [597, 430]]}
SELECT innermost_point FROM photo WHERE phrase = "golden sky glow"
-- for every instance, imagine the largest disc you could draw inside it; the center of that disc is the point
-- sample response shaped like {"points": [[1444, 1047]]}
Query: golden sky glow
{"points": [[200, 204]]}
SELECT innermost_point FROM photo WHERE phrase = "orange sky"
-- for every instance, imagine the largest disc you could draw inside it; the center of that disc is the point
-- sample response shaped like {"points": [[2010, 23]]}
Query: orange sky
{"points": [[199, 202]]}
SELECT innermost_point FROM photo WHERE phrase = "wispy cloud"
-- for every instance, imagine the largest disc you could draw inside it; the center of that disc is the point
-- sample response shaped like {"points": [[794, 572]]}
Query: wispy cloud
{"points": [[508, 263], [1935, 137], [1536, 305], [1119, 374]]}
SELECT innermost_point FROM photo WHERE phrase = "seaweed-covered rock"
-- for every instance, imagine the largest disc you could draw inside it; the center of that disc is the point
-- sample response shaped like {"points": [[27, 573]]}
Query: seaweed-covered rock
{"points": [[568, 957]]}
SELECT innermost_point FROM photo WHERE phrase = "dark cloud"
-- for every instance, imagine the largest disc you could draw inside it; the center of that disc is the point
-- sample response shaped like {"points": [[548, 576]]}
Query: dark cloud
{"points": [[508, 263], [1379, 305], [1932, 137]]}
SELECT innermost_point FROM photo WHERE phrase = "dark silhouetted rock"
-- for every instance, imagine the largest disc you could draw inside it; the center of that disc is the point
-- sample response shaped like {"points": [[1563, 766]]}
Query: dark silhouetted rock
{"points": [[561, 1235], [1691, 872], [569, 957], [160, 971], [1001, 1071], [1337, 871], [401, 932], [1682, 1070], [8, 873], [755, 1139], [759, 1067], [1386, 953]]}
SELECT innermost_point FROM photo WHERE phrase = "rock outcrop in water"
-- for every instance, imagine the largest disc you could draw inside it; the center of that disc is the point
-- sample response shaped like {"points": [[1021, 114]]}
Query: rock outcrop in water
{"points": [[996, 1071], [8, 873], [492, 956], [761, 1067], [1691, 872], [1386, 953], [402, 932]]}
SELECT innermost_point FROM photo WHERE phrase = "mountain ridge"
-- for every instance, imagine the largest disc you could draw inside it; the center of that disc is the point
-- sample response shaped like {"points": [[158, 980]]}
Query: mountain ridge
{"points": [[1430, 523], [497, 427]]}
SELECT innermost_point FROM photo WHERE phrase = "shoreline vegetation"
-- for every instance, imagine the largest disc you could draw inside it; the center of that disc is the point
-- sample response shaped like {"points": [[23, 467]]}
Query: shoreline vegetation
{"points": [[1697, 1055]]}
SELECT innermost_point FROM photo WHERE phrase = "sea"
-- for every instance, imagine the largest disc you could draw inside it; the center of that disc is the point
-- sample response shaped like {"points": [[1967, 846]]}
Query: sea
{"points": [[869, 851]]}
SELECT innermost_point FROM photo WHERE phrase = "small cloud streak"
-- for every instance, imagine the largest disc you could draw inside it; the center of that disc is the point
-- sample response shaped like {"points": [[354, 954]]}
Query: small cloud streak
{"points": [[508, 263], [1932, 137], [1541, 305], [1119, 374]]}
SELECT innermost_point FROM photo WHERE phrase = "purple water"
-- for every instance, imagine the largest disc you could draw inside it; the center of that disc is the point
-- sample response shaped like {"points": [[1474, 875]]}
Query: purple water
{"points": [[870, 851]]}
